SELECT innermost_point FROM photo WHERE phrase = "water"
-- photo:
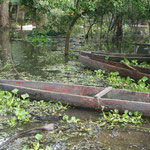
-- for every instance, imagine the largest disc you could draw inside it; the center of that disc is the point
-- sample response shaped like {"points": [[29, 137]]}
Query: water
{"points": [[37, 64], [116, 139]]}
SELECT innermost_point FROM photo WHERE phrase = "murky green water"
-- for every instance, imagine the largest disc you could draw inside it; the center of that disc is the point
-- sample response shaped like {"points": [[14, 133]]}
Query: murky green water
{"points": [[116, 139], [49, 64]]}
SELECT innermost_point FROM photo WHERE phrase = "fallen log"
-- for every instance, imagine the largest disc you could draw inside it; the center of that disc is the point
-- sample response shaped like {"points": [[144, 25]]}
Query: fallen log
{"points": [[48, 127]]}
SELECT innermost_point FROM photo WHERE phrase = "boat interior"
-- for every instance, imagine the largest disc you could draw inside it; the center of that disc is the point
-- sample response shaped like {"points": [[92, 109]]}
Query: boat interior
{"points": [[55, 87]]}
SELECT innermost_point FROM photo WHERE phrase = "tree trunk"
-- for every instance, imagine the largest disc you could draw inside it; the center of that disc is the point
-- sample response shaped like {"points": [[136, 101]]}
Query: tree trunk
{"points": [[149, 27], [4, 14], [68, 34], [20, 16], [87, 34], [119, 32]]}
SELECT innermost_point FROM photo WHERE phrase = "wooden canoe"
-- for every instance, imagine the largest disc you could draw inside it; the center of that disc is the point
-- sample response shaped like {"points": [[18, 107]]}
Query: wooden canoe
{"points": [[82, 96], [110, 66], [118, 56]]}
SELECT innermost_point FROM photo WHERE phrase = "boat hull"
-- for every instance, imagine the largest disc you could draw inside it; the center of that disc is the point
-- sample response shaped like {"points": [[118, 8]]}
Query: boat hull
{"points": [[66, 94], [111, 66], [81, 96], [117, 57]]}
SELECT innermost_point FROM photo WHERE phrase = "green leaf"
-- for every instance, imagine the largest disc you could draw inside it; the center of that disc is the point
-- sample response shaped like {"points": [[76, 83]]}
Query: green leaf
{"points": [[126, 112], [38, 136], [106, 57], [7, 96], [130, 113], [116, 111], [24, 96], [15, 91], [126, 61], [145, 79], [65, 117], [74, 119], [102, 107]]}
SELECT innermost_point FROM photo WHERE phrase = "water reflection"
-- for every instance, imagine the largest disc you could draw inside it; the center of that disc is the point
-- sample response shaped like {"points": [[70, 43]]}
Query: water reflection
{"points": [[6, 52], [126, 45], [33, 60], [5, 47], [49, 62]]}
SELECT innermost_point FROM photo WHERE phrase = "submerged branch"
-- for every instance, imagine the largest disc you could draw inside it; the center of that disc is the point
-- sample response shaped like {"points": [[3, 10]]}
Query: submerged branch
{"points": [[48, 127]]}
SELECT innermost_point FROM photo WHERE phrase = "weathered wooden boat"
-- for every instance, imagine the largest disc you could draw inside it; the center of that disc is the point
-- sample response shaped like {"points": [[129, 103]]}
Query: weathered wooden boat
{"points": [[117, 56], [110, 66], [82, 96]]}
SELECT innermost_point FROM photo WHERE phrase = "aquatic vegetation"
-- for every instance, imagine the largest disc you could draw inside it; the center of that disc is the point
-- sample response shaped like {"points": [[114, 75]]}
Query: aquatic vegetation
{"points": [[77, 134], [72, 120], [127, 83], [113, 79], [100, 73], [21, 110], [72, 132], [12, 105], [36, 144], [114, 118], [38, 38], [133, 62], [106, 57], [91, 78], [144, 65]]}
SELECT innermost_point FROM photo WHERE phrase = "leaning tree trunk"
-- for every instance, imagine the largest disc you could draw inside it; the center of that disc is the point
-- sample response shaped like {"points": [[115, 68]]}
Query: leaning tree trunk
{"points": [[69, 32], [4, 14], [87, 34]]}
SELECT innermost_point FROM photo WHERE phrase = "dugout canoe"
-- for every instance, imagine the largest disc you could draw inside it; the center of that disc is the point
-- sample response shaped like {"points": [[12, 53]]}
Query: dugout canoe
{"points": [[111, 66], [118, 56], [82, 96]]}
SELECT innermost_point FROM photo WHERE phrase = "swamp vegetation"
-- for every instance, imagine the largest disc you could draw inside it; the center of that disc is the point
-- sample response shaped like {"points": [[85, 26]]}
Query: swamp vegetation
{"points": [[50, 53], [75, 128]]}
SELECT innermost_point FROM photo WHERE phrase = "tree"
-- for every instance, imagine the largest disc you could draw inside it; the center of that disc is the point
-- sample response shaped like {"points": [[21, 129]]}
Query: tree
{"points": [[78, 9], [113, 14], [75, 9], [4, 13]]}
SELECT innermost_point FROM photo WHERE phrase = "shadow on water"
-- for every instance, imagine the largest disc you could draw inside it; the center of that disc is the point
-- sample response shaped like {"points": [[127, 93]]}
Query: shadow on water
{"points": [[50, 65]]}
